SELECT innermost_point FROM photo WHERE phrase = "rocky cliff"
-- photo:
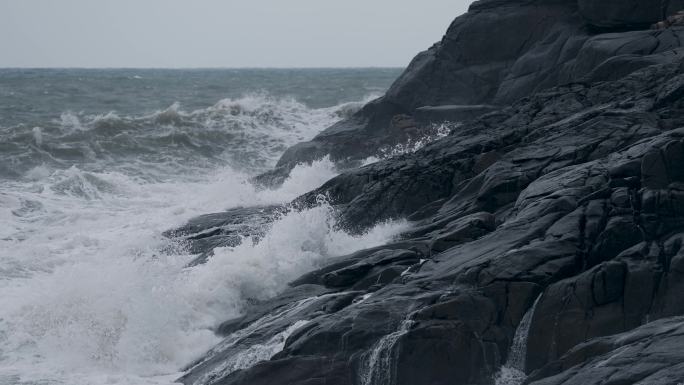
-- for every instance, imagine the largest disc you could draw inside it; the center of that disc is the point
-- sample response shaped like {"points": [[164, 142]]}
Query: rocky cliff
{"points": [[547, 229]]}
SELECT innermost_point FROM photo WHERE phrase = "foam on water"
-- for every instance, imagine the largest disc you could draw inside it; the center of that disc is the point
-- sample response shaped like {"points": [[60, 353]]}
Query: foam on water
{"points": [[87, 293], [249, 133]]}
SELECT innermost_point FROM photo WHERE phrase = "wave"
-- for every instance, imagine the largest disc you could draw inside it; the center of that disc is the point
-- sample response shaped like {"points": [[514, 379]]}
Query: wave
{"points": [[89, 295], [248, 133]]}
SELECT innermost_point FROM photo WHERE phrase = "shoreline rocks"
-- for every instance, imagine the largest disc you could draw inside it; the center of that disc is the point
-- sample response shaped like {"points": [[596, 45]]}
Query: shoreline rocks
{"points": [[570, 191]]}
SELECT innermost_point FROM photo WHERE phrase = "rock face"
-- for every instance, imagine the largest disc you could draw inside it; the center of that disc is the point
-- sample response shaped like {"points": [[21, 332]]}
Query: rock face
{"points": [[451, 113], [650, 354], [498, 52], [627, 13], [205, 233], [569, 194]]}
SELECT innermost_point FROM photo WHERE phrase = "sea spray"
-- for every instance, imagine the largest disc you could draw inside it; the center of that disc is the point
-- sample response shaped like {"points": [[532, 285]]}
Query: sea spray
{"points": [[266, 322], [513, 371], [89, 293], [411, 145], [138, 311], [303, 178], [251, 355], [240, 351]]}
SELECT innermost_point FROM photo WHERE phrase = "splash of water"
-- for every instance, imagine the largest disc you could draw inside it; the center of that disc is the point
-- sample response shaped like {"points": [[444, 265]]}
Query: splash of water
{"points": [[91, 293], [513, 372], [251, 355], [88, 297], [377, 367], [433, 133], [304, 178], [264, 323]]}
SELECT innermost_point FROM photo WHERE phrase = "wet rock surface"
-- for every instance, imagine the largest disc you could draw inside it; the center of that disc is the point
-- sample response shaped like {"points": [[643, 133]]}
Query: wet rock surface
{"points": [[626, 13], [203, 234], [492, 56], [569, 194], [650, 354]]}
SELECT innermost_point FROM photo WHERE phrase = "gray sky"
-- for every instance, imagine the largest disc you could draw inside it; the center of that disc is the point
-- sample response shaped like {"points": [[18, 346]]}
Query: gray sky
{"points": [[220, 33]]}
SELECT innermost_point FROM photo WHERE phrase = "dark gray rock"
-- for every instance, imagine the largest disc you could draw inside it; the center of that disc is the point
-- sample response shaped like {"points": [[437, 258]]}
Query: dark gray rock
{"points": [[569, 195], [494, 55], [462, 230], [372, 269], [451, 113], [627, 13], [648, 355], [464, 68], [201, 235]]}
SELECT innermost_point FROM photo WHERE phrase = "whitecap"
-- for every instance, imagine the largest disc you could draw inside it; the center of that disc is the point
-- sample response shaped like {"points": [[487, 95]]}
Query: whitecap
{"points": [[37, 136], [92, 294]]}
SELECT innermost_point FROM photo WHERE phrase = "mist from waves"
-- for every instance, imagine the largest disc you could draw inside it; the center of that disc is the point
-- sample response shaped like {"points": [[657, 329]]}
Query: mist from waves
{"points": [[87, 295], [90, 292]]}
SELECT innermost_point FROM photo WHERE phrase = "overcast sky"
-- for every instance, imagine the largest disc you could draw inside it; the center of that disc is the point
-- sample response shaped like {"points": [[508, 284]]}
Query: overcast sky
{"points": [[220, 33]]}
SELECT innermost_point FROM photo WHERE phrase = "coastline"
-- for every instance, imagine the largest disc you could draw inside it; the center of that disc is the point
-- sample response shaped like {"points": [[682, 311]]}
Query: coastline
{"points": [[566, 191]]}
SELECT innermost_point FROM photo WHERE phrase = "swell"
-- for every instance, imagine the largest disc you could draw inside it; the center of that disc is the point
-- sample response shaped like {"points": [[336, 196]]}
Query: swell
{"points": [[249, 133], [92, 291]]}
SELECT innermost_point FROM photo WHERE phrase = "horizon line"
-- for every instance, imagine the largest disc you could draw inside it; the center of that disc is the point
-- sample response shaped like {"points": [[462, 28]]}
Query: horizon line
{"points": [[198, 68]]}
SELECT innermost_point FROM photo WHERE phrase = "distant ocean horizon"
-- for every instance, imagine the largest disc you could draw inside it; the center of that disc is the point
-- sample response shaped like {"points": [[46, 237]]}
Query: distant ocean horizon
{"points": [[209, 68]]}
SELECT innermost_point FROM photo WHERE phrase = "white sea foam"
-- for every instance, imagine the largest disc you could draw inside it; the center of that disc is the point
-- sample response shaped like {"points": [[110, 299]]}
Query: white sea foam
{"points": [[38, 173], [89, 298], [376, 369], [71, 122], [87, 293], [249, 132], [304, 178], [435, 132], [37, 135], [513, 372], [250, 355]]}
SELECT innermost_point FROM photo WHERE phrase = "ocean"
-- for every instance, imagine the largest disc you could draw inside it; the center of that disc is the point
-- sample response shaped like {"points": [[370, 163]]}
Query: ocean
{"points": [[96, 164]]}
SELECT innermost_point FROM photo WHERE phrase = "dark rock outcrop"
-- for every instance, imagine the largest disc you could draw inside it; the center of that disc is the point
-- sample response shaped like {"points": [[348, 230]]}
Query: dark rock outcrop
{"points": [[573, 193], [203, 234], [650, 354], [469, 66], [451, 113], [497, 53], [626, 13], [565, 203], [622, 13]]}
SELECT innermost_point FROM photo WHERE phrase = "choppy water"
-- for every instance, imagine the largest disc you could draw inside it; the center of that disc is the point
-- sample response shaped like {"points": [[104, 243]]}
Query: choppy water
{"points": [[96, 164]]}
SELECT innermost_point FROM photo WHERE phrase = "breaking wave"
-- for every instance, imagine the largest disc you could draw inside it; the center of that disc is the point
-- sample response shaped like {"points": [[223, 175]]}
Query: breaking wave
{"points": [[249, 133], [89, 293]]}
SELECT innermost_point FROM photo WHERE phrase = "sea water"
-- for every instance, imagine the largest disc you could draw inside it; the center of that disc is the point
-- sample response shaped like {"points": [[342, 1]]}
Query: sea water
{"points": [[96, 164]]}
